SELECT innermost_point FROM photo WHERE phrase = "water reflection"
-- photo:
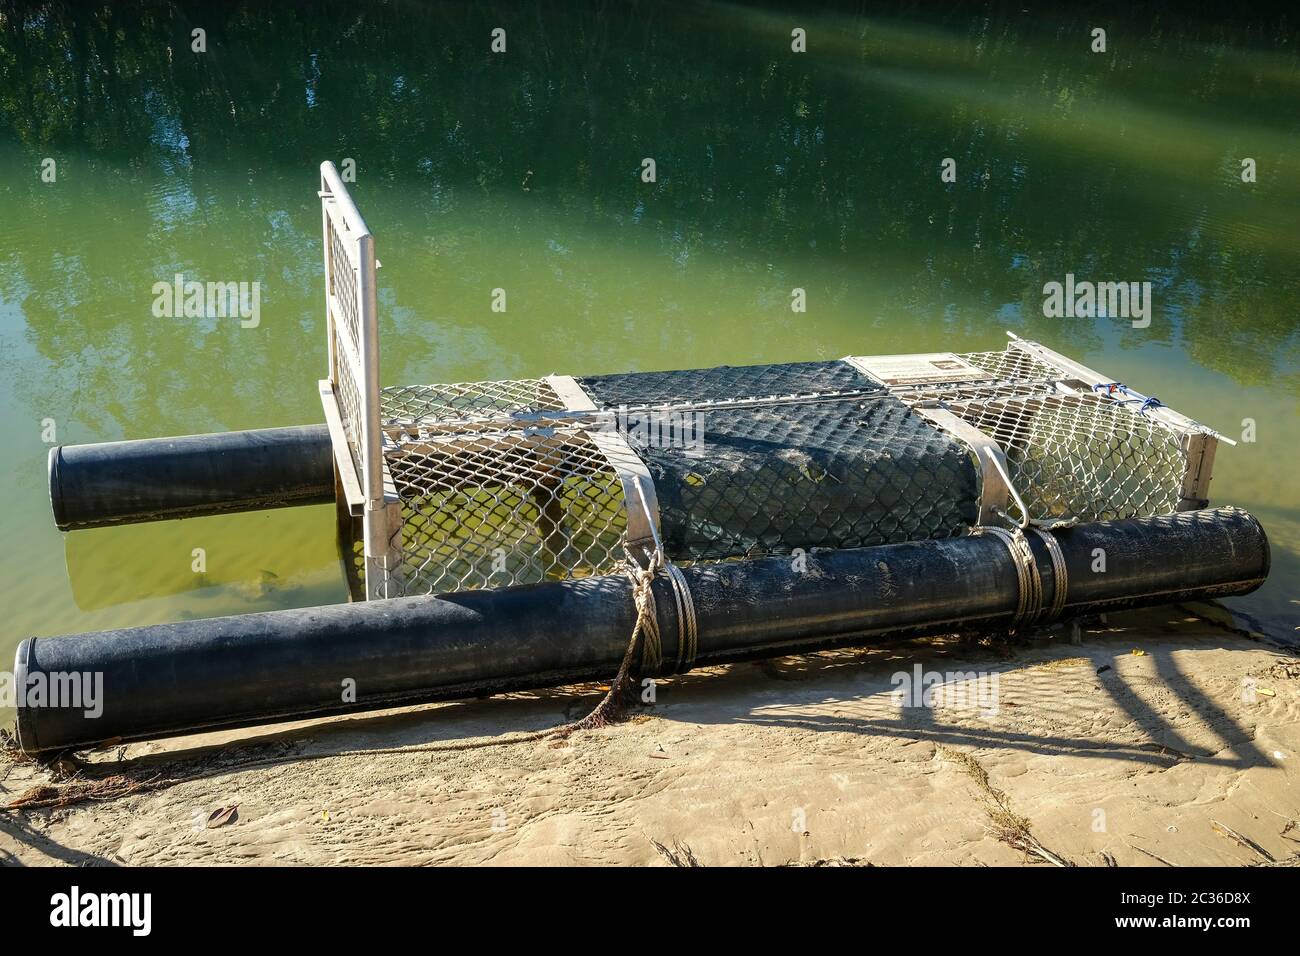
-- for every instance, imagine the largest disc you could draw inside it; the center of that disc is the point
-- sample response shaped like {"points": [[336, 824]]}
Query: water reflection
{"points": [[1123, 166], [520, 171], [242, 569]]}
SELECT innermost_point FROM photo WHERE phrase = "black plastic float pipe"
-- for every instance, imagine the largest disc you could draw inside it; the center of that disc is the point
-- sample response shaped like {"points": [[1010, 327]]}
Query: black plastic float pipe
{"points": [[170, 679], [123, 482]]}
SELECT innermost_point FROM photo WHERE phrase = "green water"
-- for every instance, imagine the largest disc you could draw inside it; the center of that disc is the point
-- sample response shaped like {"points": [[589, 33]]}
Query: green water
{"points": [[521, 170]]}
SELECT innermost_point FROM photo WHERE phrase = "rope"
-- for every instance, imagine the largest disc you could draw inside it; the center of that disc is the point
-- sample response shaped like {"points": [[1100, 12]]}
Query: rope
{"points": [[1130, 396], [645, 634], [647, 618], [688, 638], [1150, 403], [646, 637]]}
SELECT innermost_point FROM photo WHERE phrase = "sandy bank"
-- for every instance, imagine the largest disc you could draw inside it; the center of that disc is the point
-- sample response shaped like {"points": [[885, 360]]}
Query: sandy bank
{"points": [[1184, 754]]}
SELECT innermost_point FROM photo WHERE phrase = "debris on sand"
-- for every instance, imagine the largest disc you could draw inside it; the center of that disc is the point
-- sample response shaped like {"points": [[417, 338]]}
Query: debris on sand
{"points": [[1008, 826]]}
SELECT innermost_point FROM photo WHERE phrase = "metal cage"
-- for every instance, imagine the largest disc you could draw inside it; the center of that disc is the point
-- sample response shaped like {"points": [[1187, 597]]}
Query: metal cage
{"points": [[493, 484]]}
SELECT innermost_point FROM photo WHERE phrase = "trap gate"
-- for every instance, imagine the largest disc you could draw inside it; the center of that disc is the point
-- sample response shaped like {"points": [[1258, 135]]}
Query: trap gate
{"points": [[492, 484]]}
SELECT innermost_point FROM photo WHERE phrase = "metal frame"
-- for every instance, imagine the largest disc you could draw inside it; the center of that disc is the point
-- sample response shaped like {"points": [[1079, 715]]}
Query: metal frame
{"points": [[352, 339], [351, 398]]}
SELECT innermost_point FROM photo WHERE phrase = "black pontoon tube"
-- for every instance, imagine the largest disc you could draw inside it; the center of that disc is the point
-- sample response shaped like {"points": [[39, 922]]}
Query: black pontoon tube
{"points": [[92, 486], [169, 679]]}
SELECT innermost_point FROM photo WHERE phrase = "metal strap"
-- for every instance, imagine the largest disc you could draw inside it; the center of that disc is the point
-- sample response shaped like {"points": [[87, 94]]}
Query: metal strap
{"points": [[638, 487], [1059, 575], [995, 486], [1030, 607], [1029, 602]]}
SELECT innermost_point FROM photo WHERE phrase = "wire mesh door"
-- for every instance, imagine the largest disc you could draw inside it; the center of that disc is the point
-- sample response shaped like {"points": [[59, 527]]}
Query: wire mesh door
{"points": [[351, 392], [1082, 457]]}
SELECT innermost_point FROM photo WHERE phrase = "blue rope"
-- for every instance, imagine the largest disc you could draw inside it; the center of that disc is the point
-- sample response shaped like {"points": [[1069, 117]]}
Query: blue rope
{"points": [[1111, 388], [1152, 402]]}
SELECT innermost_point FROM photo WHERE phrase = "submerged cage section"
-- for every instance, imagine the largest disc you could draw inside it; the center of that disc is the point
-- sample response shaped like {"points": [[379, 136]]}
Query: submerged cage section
{"points": [[497, 487], [494, 484]]}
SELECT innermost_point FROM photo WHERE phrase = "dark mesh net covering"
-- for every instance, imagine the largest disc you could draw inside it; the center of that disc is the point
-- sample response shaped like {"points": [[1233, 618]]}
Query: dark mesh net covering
{"points": [[725, 382], [844, 470]]}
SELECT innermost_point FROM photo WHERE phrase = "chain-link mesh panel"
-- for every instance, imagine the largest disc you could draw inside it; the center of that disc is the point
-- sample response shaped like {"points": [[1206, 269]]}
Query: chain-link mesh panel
{"points": [[505, 508], [1082, 456], [495, 489], [840, 474], [415, 406], [1089, 456], [1013, 363]]}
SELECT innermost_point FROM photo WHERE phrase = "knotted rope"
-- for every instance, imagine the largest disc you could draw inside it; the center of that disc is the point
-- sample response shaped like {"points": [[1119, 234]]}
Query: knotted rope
{"points": [[646, 637], [647, 617], [1109, 389]]}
